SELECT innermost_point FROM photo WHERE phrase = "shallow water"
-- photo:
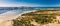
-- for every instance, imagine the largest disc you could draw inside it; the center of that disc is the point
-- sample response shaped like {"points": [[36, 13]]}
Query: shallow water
{"points": [[17, 11]]}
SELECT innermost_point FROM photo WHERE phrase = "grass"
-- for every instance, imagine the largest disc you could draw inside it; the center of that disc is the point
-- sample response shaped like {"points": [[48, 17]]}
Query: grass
{"points": [[39, 18]]}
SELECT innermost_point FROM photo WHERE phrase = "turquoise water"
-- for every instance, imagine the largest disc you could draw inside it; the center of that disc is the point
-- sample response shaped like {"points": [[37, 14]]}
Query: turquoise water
{"points": [[17, 11], [3, 11], [21, 11]]}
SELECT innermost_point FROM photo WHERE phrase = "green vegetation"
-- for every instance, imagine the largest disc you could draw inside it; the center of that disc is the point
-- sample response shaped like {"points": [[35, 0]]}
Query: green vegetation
{"points": [[44, 19], [22, 22], [39, 18]]}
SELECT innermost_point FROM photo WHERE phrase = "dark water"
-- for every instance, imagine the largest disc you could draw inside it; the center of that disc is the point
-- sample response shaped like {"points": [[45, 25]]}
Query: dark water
{"points": [[22, 10], [3, 11]]}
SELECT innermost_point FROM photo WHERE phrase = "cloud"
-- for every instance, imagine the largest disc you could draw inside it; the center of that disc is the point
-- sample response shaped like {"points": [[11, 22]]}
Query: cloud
{"points": [[13, 3], [8, 3], [16, 5]]}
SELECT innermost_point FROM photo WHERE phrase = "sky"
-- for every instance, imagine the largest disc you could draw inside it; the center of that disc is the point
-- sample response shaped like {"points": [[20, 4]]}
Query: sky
{"points": [[32, 3]]}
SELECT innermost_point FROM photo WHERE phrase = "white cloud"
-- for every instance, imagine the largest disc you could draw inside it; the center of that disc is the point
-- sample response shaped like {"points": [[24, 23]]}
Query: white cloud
{"points": [[5, 3], [8, 3], [16, 5]]}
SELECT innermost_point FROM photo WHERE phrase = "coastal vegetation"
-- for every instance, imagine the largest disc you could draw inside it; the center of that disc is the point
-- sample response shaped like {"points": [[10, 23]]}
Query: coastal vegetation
{"points": [[39, 17]]}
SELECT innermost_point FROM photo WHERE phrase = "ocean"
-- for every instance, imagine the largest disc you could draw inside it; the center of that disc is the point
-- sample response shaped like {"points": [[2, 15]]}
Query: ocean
{"points": [[36, 8], [17, 11]]}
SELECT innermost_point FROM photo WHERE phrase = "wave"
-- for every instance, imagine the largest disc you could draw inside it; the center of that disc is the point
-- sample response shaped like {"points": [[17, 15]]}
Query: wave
{"points": [[12, 14]]}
